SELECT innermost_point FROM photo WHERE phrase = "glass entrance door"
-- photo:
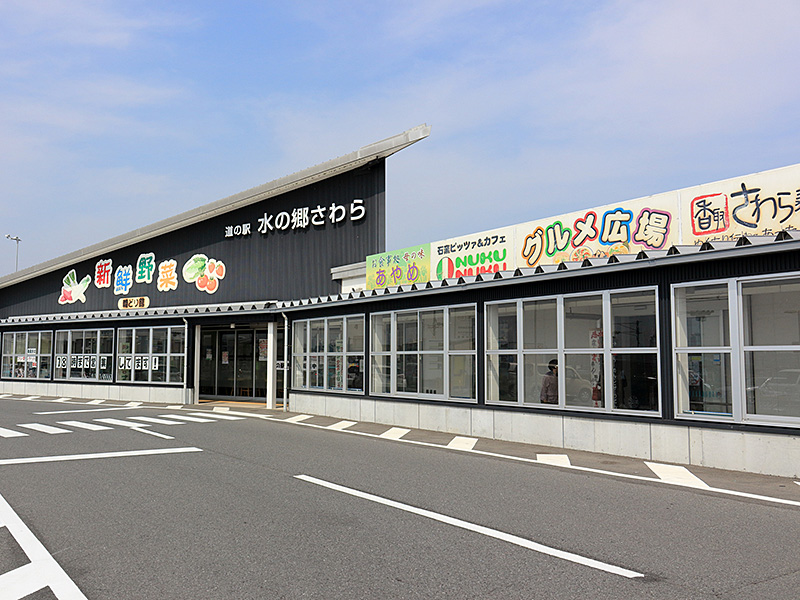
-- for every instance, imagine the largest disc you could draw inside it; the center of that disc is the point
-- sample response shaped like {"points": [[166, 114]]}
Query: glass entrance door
{"points": [[233, 363]]}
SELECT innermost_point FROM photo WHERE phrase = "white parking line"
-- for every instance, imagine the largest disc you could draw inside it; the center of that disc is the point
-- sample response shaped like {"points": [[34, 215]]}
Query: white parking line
{"points": [[395, 433], [120, 454], [341, 425], [560, 460], [95, 401], [6, 395], [163, 436], [81, 410], [189, 419], [62, 399], [462, 443], [216, 415], [676, 474], [44, 428], [41, 572], [158, 421], [121, 423], [493, 533], [297, 418], [134, 403], [30, 398], [10, 433], [82, 425]]}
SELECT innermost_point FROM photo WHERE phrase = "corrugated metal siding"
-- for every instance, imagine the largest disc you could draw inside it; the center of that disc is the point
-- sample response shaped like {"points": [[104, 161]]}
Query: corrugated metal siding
{"points": [[279, 265]]}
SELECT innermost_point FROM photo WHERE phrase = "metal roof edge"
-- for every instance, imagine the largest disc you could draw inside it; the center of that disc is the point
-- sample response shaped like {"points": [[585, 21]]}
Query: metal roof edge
{"points": [[336, 166]]}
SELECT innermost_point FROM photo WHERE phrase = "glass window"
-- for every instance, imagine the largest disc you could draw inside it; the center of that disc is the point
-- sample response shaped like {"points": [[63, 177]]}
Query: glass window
{"points": [[85, 354], [407, 339], [704, 382], [502, 326], [462, 328], [381, 382], [150, 354], [335, 335], [771, 313], [583, 322], [27, 355], [333, 358], [583, 380], [381, 333], [633, 317], [462, 376], [355, 334], [539, 324], [432, 330], [772, 380], [702, 316], [541, 378], [502, 377], [635, 381]]}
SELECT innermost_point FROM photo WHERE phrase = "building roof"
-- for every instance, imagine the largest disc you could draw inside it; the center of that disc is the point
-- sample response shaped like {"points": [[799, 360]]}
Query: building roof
{"points": [[336, 166]]}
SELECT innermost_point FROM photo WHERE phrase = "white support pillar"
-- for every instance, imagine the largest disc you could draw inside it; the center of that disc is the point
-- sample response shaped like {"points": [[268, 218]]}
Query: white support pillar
{"points": [[272, 363]]}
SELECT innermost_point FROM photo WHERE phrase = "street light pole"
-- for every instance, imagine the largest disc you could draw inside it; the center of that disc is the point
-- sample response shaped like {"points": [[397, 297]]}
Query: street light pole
{"points": [[18, 240]]}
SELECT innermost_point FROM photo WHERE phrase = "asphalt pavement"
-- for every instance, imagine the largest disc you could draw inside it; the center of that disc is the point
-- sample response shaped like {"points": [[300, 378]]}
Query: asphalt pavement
{"points": [[124, 500]]}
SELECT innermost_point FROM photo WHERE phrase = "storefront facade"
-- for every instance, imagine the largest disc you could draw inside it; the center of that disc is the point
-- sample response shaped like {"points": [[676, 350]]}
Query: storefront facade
{"points": [[666, 328]]}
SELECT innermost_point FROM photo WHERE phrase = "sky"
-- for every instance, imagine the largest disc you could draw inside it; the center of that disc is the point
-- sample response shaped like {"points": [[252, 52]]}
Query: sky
{"points": [[114, 115]]}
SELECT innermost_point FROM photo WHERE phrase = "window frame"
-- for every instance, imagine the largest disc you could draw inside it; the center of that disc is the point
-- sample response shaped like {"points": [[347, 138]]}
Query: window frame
{"points": [[445, 353], [12, 354], [301, 360], [74, 361], [562, 353], [121, 362]]}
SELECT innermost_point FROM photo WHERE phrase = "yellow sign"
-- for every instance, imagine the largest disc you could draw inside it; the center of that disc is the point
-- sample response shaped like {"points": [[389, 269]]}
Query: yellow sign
{"points": [[133, 303]]}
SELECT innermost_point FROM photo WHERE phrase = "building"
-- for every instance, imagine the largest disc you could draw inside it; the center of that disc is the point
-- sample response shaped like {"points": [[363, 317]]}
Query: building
{"points": [[674, 320]]}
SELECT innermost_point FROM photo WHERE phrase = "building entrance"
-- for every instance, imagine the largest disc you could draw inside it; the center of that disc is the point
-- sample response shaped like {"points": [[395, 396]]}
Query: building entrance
{"points": [[240, 363]]}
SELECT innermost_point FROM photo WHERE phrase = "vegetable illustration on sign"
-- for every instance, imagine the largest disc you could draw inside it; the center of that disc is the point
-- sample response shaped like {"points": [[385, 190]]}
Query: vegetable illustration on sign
{"points": [[73, 290], [204, 272]]}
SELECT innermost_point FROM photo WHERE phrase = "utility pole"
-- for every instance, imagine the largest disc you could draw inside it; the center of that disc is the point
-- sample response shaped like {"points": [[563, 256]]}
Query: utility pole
{"points": [[18, 240]]}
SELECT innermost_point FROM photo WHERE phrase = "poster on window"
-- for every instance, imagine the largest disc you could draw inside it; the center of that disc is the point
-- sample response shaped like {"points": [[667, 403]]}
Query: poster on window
{"points": [[262, 349]]}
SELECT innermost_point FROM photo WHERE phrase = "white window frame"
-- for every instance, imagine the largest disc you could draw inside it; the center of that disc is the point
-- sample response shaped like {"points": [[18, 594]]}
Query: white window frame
{"points": [[446, 353], [736, 351], [13, 355], [123, 358], [734, 342], [80, 357], [326, 354], [562, 351]]}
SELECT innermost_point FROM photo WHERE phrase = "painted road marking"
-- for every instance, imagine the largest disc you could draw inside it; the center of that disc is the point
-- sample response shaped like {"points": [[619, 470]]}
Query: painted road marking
{"points": [[134, 403], [82, 425], [44, 428], [217, 416], [9, 433], [6, 395], [189, 419], [341, 425], [677, 474], [297, 418], [462, 443], [30, 398], [560, 460], [62, 399], [120, 454], [163, 436], [41, 572], [80, 410], [121, 423], [95, 401], [493, 533], [157, 421], [395, 433]]}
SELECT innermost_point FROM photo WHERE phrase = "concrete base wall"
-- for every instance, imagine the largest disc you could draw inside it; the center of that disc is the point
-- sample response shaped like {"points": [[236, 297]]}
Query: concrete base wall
{"points": [[93, 391], [769, 454]]}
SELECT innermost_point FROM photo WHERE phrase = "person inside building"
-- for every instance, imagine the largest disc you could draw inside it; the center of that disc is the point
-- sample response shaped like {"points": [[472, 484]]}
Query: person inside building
{"points": [[549, 393]]}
